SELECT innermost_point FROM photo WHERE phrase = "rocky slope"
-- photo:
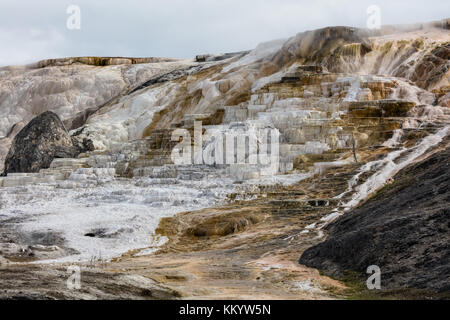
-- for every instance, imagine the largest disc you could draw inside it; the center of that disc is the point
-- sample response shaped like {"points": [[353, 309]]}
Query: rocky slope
{"points": [[72, 88], [350, 109], [404, 229]]}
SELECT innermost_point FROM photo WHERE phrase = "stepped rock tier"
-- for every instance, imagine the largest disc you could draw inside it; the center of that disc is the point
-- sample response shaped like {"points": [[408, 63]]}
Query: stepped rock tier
{"points": [[315, 124]]}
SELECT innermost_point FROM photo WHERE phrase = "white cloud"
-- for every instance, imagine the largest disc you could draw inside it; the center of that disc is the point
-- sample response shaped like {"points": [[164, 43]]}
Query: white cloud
{"points": [[177, 28], [21, 46]]}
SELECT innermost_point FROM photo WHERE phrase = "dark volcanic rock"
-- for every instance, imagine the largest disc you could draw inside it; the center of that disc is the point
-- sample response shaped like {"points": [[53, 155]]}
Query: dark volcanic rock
{"points": [[39, 142], [83, 145], [404, 229]]}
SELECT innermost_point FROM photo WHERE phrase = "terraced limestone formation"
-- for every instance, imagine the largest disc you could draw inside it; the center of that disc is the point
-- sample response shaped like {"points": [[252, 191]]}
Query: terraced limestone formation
{"points": [[348, 109]]}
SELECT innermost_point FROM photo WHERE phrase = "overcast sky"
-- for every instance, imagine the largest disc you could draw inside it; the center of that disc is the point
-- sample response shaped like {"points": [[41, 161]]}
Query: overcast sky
{"points": [[33, 30]]}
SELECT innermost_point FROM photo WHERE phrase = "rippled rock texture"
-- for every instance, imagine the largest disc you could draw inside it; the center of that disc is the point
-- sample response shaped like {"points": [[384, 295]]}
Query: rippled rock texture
{"points": [[404, 229]]}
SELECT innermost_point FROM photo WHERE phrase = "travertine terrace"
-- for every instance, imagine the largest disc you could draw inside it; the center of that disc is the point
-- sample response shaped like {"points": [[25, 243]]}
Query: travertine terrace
{"points": [[351, 107]]}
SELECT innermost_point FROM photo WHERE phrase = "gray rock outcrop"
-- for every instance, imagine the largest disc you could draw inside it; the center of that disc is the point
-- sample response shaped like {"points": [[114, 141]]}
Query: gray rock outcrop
{"points": [[39, 142]]}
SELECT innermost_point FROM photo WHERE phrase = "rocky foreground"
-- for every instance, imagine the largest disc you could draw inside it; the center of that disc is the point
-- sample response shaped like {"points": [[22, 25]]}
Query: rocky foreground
{"points": [[363, 121], [404, 229]]}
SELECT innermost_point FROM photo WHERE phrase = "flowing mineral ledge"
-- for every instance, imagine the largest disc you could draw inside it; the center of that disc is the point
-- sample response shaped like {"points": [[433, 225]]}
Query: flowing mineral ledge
{"points": [[387, 168], [124, 197]]}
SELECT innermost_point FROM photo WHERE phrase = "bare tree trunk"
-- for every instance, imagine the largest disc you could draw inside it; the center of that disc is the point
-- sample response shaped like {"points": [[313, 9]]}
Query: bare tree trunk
{"points": [[354, 148]]}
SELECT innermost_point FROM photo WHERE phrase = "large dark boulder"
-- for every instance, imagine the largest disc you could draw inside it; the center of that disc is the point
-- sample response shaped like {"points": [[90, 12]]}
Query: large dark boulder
{"points": [[404, 229], [39, 142]]}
